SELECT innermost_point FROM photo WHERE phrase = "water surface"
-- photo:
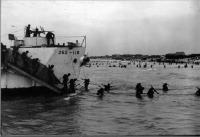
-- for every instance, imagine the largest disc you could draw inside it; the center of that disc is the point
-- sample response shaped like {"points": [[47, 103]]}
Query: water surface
{"points": [[119, 112]]}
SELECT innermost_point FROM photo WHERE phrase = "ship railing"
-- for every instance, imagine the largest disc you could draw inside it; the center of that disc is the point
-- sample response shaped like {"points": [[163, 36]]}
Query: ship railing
{"points": [[71, 40]]}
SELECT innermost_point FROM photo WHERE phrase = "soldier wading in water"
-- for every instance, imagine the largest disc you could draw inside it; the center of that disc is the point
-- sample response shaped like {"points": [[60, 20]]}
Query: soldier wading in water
{"points": [[151, 91], [139, 90]]}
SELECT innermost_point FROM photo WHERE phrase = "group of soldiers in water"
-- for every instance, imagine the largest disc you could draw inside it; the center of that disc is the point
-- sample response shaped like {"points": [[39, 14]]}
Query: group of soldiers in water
{"points": [[100, 92], [139, 90], [106, 88], [72, 84]]}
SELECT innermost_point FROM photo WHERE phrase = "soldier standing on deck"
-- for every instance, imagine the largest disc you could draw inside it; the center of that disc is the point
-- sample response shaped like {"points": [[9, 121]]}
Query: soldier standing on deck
{"points": [[36, 32], [50, 36], [28, 31]]}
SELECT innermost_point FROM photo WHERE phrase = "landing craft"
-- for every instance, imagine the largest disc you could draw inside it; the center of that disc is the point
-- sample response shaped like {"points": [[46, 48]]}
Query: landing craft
{"points": [[64, 59]]}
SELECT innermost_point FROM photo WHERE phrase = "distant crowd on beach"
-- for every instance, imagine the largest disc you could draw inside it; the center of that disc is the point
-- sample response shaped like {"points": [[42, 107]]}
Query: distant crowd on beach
{"points": [[179, 65], [138, 64]]}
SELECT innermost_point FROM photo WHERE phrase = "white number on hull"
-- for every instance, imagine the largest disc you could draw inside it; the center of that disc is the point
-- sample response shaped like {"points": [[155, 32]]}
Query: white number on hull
{"points": [[65, 52]]}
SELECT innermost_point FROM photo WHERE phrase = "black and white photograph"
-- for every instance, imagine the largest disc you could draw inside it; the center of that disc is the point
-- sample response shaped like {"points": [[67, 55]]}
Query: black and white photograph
{"points": [[100, 68]]}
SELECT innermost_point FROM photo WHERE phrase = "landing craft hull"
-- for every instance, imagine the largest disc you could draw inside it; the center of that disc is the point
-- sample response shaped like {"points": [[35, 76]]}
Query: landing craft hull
{"points": [[65, 61], [38, 61]]}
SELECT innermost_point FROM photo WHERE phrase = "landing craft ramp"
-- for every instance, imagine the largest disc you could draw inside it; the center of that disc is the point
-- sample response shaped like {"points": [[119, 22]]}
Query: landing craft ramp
{"points": [[55, 89], [41, 76]]}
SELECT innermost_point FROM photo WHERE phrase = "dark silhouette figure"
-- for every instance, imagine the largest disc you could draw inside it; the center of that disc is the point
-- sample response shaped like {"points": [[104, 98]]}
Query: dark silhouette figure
{"points": [[3, 52], [138, 95], [192, 66], [165, 87], [107, 87], [151, 91], [35, 65], [28, 31], [36, 32], [50, 36], [100, 92], [139, 65], [139, 90], [185, 65], [86, 83], [72, 85], [14, 53], [179, 66], [65, 82], [25, 60], [85, 60], [198, 92], [24, 55], [50, 74]]}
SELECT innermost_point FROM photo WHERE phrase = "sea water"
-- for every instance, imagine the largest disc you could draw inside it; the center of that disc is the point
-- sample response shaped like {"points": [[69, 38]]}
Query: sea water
{"points": [[175, 112]]}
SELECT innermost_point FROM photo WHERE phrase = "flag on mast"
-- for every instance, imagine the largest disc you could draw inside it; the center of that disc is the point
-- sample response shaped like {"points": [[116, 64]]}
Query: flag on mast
{"points": [[11, 37]]}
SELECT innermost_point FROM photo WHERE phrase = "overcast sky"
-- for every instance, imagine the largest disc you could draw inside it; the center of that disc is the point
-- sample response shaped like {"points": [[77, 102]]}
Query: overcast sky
{"points": [[112, 27]]}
